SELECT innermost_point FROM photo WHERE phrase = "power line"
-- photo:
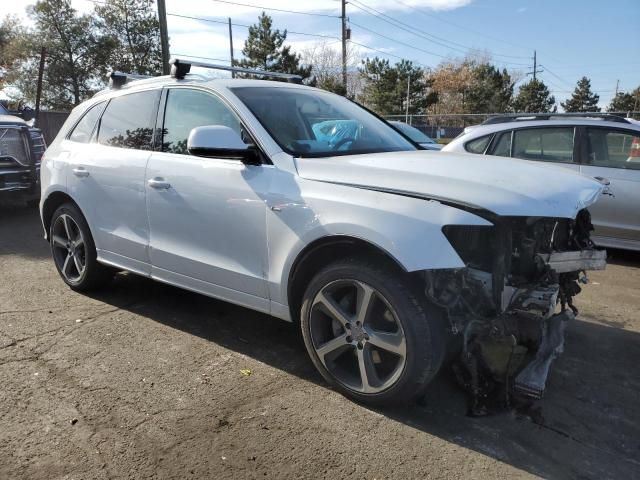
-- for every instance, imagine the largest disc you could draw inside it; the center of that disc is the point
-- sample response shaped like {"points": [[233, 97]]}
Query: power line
{"points": [[247, 26], [203, 58], [421, 33], [466, 29], [556, 76], [387, 53], [276, 9], [397, 41]]}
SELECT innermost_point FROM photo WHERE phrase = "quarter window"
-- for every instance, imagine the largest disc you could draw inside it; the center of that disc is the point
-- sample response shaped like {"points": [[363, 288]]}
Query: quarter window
{"points": [[502, 145], [544, 144], [479, 145], [187, 109], [129, 120], [84, 128], [613, 148]]}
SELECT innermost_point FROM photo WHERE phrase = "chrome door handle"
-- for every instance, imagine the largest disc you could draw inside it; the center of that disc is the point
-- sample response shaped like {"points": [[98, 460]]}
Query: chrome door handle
{"points": [[158, 183], [80, 172]]}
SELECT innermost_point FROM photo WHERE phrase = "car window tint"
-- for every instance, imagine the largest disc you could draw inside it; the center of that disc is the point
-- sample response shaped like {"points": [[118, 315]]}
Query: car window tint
{"points": [[479, 145], [613, 148], [502, 145], [544, 144], [129, 120], [187, 109], [84, 128]]}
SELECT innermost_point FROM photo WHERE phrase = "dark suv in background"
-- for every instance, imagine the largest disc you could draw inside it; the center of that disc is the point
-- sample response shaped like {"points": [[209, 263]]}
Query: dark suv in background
{"points": [[21, 148]]}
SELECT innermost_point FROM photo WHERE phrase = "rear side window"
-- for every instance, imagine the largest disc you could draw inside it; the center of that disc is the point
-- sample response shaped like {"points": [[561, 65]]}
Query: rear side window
{"points": [[479, 145], [129, 120], [544, 144], [187, 109], [502, 144], [84, 128], [613, 148]]}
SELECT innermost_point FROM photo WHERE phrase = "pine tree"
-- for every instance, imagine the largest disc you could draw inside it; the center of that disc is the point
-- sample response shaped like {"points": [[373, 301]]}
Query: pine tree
{"points": [[135, 31], [534, 97], [264, 49], [582, 99], [490, 90], [385, 89], [625, 102]]}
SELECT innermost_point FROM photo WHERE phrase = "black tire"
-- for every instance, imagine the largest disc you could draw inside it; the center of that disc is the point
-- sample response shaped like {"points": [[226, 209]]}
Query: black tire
{"points": [[94, 274], [422, 325]]}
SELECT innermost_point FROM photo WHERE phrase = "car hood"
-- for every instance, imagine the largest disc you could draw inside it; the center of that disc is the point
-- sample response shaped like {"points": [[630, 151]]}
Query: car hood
{"points": [[501, 185]]}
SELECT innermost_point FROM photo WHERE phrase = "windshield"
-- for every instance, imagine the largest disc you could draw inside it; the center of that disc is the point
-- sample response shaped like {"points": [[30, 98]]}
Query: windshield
{"points": [[412, 132], [311, 123], [3, 111]]}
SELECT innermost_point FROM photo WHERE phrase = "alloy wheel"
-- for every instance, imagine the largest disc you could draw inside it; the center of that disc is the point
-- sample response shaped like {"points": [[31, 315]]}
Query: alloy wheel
{"points": [[357, 336], [69, 250]]}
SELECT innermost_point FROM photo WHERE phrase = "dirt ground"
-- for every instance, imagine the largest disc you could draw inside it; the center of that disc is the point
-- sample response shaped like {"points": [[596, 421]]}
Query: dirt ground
{"points": [[143, 381]]}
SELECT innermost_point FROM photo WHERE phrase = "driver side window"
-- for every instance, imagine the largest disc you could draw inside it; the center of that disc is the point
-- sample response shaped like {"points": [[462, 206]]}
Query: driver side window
{"points": [[187, 109]]}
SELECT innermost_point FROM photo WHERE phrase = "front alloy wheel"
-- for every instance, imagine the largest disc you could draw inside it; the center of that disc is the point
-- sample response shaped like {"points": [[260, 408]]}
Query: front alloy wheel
{"points": [[370, 331], [357, 336]]}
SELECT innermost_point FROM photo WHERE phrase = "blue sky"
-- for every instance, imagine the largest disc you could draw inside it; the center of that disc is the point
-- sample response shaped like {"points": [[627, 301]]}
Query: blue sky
{"points": [[572, 37]]}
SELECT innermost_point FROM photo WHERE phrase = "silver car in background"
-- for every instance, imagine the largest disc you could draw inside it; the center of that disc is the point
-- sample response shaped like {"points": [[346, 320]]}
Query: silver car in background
{"points": [[416, 135], [602, 146]]}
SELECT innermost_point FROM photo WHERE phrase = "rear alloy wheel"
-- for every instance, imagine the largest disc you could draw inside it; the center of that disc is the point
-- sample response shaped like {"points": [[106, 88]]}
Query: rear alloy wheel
{"points": [[73, 250], [69, 248], [369, 334]]}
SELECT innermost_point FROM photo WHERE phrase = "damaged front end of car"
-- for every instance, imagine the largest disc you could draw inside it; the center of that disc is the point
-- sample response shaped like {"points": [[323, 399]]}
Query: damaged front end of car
{"points": [[509, 306]]}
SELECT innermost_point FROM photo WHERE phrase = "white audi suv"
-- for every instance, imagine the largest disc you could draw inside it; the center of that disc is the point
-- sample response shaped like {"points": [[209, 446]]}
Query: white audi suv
{"points": [[300, 204]]}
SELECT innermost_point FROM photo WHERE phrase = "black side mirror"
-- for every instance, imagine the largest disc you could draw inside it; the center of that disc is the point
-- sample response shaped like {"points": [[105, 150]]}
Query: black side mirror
{"points": [[219, 141]]}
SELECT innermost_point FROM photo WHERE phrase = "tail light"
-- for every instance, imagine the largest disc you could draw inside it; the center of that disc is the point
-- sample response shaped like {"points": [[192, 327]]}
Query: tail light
{"points": [[38, 144], [635, 148]]}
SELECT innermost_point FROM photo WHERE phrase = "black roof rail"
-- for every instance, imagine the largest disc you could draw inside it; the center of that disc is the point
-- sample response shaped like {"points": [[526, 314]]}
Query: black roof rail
{"points": [[524, 117], [180, 67], [118, 79]]}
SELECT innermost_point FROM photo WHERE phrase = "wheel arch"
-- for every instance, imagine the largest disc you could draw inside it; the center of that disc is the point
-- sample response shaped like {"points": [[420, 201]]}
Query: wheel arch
{"points": [[51, 204], [314, 256]]}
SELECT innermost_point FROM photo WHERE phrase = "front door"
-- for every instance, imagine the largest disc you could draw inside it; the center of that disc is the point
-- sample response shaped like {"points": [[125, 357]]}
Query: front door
{"points": [[614, 154], [207, 216]]}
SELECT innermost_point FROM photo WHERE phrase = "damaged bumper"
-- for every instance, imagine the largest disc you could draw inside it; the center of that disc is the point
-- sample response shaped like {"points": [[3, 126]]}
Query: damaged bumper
{"points": [[503, 307], [564, 262]]}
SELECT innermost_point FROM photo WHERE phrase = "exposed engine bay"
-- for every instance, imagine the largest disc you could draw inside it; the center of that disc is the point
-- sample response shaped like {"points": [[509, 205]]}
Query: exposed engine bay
{"points": [[509, 307]]}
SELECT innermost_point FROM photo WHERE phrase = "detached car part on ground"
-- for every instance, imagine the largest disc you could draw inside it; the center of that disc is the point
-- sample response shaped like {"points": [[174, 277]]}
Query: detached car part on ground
{"points": [[21, 149], [393, 260]]}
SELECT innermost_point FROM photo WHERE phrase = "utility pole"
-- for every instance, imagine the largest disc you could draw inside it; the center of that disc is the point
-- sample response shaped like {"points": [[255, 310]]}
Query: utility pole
{"points": [[617, 85], [406, 113], [164, 36], [536, 70], [344, 43], [43, 55], [233, 74]]}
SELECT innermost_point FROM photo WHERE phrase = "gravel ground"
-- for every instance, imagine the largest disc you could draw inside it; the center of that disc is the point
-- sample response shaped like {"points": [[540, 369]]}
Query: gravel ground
{"points": [[144, 381]]}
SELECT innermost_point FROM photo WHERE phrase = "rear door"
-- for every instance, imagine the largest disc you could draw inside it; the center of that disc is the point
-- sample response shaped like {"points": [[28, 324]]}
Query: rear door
{"points": [[614, 154], [554, 145], [107, 178]]}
